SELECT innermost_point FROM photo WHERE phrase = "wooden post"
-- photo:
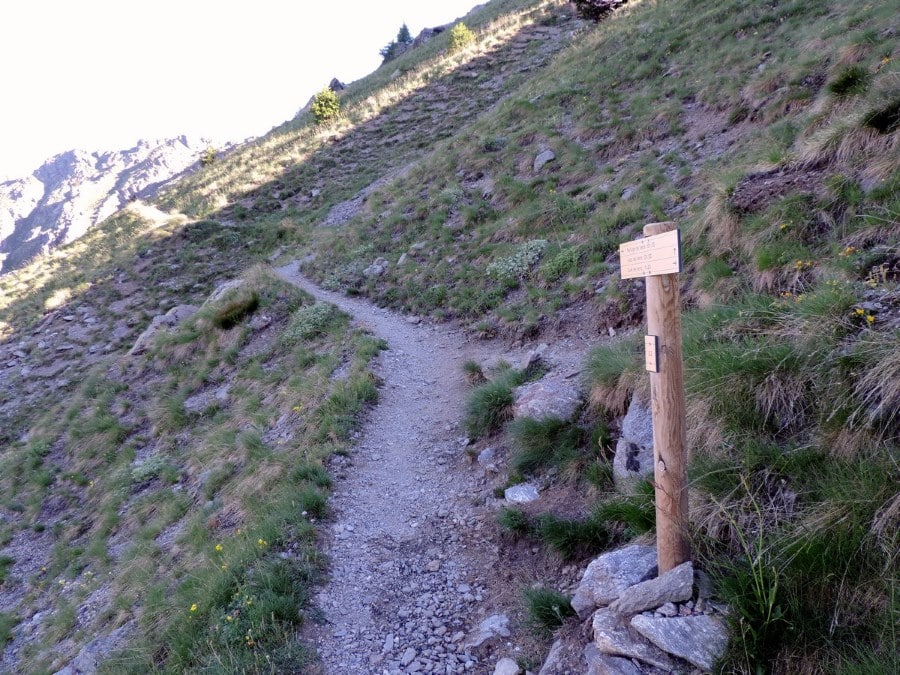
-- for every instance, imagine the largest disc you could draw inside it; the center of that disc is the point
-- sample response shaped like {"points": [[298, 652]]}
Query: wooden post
{"points": [[668, 406]]}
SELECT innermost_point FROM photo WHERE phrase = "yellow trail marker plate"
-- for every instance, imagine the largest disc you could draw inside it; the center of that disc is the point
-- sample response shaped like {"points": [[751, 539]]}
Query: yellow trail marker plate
{"points": [[650, 256]]}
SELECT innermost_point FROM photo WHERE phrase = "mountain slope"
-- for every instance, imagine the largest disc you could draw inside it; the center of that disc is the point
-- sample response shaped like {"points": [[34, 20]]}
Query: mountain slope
{"points": [[73, 191], [491, 186]]}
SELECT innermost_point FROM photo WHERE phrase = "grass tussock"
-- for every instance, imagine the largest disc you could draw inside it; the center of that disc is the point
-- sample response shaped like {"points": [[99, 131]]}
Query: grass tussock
{"points": [[547, 609], [490, 405]]}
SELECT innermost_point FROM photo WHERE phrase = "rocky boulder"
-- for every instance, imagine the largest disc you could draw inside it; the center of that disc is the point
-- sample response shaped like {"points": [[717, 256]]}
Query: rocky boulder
{"points": [[164, 321], [549, 397], [676, 585], [633, 461], [700, 640], [543, 158], [610, 574]]}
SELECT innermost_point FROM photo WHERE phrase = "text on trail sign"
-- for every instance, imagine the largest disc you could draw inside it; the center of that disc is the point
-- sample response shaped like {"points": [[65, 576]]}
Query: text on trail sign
{"points": [[650, 256]]}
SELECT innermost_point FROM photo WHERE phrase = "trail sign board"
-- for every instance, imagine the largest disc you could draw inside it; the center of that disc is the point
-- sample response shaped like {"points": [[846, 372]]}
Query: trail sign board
{"points": [[651, 256]]}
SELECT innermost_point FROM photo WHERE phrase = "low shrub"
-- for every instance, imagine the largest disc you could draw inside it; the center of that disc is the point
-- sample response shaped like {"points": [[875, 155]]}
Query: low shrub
{"points": [[308, 321], [460, 36], [519, 263], [326, 106]]}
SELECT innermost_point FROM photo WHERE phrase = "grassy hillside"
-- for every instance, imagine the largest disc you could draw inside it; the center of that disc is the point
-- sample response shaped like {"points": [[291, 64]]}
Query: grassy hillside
{"points": [[770, 132]]}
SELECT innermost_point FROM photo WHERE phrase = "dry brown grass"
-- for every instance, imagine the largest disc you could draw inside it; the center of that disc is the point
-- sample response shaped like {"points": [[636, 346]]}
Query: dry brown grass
{"points": [[853, 54], [614, 398], [720, 226], [879, 388], [846, 140], [705, 434]]}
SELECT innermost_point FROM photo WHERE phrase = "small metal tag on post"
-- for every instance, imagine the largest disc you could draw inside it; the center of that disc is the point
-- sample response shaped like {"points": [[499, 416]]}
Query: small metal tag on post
{"points": [[657, 258]]}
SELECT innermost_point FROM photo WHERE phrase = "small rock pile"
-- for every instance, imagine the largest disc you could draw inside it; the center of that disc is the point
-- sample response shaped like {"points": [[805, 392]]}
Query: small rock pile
{"points": [[642, 622]]}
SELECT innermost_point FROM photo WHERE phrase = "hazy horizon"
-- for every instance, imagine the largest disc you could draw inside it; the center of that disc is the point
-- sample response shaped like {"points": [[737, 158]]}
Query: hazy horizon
{"points": [[100, 76]]}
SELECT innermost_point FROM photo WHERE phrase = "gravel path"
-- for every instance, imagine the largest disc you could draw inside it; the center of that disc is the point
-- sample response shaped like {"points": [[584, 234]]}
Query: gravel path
{"points": [[411, 554]]}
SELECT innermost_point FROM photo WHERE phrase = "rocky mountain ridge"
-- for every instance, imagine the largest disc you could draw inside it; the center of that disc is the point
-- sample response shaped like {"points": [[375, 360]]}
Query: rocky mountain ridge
{"points": [[76, 189]]}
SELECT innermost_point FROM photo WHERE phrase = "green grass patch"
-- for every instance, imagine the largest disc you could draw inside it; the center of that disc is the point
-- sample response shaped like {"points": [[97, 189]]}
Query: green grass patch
{"points": [[547, 609]]}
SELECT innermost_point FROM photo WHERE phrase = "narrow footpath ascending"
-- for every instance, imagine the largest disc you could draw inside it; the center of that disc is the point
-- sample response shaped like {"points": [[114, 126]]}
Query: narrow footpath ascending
{"points": [[406, 547]]}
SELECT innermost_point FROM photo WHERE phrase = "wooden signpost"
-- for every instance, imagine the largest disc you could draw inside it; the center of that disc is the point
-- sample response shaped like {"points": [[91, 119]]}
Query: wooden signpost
{"points": [[657, 258]]}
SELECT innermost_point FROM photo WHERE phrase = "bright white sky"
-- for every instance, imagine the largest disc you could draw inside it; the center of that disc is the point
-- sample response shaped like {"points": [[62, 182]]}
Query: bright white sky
{"points": [[100, 74]]}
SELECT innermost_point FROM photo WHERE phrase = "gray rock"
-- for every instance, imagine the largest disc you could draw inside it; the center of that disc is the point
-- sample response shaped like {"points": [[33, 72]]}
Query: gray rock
{"points": [[701, 640], [552, 396], [402, 260], [668, 609], [223, 289], [97, 650], [542, 158], [614, 639], [487, 457], [676, 585], [51, 370], [260, 322], [506, 666], [168, 320], [604, 664], [610, 574], [521, 494], [492, 627], [553, 664], [633, 461], [377, 268], [637, 426], [534, 357], [408, 656], [628, 192]]}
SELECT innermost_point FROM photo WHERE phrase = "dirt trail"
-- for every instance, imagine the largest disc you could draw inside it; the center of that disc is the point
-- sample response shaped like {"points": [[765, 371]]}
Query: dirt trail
{"points": [[411, 554]]}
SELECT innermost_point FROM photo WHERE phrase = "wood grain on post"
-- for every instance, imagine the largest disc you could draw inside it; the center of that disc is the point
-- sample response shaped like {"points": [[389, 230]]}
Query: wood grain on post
{"points": [[668, 405]]}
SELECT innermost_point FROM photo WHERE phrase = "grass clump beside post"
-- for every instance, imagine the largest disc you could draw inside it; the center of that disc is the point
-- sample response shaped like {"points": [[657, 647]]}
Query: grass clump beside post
{"points": [[547, 609], [634, 513]]}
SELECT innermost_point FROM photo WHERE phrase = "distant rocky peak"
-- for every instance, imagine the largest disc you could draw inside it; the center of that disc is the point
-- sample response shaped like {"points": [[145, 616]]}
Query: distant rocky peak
{"points": [[76, 189]]}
